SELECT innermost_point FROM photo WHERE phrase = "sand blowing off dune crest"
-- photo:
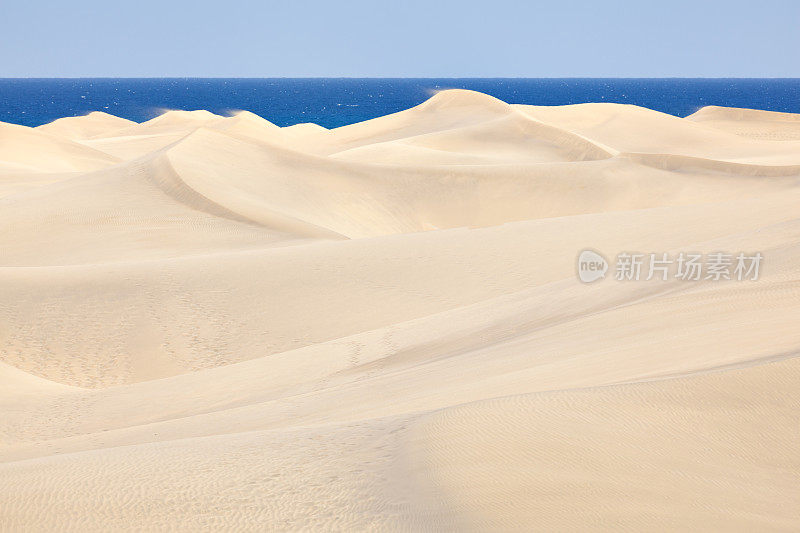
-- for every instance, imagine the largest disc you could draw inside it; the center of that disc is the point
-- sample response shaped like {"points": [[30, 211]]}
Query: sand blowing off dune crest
{"points": [[215, 323]]}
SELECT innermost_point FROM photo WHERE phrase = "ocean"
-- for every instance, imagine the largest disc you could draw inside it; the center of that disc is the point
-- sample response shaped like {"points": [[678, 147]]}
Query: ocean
{"points": [[333, 102]]}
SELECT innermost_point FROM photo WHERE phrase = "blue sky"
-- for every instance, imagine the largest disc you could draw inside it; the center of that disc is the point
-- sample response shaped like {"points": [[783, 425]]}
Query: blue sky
{"points": [[235, 38]]}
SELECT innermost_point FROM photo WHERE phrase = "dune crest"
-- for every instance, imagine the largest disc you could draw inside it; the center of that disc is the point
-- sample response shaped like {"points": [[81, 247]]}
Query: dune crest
{"points": [[212, 322], [750, 123], [84, 127]]}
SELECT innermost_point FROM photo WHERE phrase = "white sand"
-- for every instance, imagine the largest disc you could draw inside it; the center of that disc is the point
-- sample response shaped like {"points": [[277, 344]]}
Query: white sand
{"points": [[212, 323]]}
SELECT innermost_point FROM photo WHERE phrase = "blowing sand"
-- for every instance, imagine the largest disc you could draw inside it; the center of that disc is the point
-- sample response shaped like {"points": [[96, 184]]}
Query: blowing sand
{"points": [[214, 323]]}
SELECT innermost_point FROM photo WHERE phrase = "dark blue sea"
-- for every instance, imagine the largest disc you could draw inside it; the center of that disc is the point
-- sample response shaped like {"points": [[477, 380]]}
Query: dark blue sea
{"points": [[333, 102]]}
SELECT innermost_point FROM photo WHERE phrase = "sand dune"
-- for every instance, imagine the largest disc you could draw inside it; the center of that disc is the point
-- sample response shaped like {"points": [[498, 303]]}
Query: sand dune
{"points": [[751, 123], [626, 128], [213, 323], [94, 124], [514, 138], [168, 122], [23, 148]]}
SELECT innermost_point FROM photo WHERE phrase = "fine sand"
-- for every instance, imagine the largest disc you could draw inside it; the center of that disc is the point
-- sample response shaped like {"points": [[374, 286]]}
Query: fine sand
{"points": [[213, 323]]}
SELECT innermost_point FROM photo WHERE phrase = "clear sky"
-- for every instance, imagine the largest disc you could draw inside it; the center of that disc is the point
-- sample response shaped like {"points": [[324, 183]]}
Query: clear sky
{"points": [[436, 38]]}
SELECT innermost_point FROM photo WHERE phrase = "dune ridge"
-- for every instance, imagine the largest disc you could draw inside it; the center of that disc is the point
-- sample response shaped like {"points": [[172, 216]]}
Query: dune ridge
{"points": [[215, 323], [94, 124]]}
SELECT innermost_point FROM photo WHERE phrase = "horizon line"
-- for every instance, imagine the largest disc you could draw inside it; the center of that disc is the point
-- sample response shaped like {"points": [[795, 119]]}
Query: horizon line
{"points": [[399, 78]]}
